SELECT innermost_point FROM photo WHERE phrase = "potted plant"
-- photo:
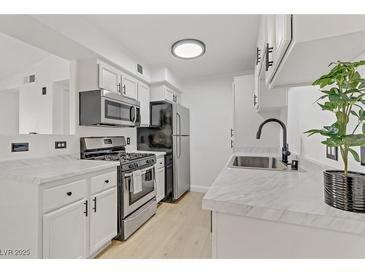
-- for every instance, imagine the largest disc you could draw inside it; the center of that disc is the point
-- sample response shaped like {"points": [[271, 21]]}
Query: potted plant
{"points": [[344, 95]]}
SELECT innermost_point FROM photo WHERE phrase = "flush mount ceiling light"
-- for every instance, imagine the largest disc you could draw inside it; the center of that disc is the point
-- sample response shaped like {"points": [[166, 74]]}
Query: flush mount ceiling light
{"points": [[188, 49]]}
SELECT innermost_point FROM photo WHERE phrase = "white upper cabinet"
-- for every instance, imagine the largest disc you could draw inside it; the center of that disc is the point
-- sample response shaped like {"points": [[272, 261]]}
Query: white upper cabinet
{"points": [[265, 99], [93, 74], [144, 99], [297, 46], [164, 93], [109, 78], [129, 86], [269, 46]]}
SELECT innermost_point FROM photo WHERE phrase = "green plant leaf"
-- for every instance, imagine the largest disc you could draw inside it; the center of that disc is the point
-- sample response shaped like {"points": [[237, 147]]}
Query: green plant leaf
{"points": [[363, 128], [354, 140], [354, 113], [354, 154]]}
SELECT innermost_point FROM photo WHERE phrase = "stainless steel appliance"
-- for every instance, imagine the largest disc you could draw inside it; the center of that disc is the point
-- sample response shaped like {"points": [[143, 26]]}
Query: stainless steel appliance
{"points": [[170, 132], [106, 108], [136, 180]]}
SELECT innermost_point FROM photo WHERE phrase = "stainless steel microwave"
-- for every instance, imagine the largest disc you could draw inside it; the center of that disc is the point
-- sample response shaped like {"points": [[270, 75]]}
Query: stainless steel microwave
{"points": [[106, 108]]}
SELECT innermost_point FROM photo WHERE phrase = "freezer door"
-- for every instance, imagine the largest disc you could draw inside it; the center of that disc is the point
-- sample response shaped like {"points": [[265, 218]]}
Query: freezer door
{"points": [[181, 120], [181, 165]]}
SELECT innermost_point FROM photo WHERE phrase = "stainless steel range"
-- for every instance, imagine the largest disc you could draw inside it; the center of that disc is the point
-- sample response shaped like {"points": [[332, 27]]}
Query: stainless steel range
{"points": [[136, 180]]}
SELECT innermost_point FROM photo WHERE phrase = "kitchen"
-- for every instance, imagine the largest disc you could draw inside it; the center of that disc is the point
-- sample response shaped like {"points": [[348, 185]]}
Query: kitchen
{"points": [[112, 147]]}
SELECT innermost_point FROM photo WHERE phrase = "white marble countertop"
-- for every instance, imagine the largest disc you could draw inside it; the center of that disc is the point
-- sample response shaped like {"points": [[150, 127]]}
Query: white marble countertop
{"points": [[43, 170], [293, 197]]}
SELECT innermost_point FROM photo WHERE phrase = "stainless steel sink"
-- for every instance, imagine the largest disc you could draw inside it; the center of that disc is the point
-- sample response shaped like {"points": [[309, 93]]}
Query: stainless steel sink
{"points": [[254, 162]]}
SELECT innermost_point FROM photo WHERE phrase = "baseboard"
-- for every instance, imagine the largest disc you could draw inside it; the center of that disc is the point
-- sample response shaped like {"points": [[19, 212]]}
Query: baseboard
{"points": [[198, 188]]}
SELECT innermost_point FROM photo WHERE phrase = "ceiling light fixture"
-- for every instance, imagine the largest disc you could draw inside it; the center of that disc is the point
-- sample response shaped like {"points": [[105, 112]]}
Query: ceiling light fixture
{"points": [[188, 48]]}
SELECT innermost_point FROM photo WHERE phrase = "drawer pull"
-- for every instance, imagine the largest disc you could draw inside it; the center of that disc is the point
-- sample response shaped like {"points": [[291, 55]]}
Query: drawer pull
{"points": [[69, 193], [86, 208], [107, 181], [94, 204]]}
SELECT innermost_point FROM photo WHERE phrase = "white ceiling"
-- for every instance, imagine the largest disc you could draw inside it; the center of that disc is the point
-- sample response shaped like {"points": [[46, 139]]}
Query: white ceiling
{"points": [[15, 55], [230, 40]]}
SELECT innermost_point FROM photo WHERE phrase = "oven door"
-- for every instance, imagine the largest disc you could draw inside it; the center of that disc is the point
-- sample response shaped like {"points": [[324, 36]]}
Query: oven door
{"points": [[115, 112], [132, 200]]}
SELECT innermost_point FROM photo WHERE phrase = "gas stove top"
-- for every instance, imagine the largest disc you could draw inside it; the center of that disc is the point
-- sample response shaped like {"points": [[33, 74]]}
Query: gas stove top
{"points": [[123, 157], [128, 161], [113, 149]]}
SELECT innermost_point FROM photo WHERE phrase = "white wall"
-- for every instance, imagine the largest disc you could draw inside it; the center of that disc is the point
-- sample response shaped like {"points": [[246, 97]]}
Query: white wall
{"points": [[304, 114], [35, 109], [247, 120], [43, 145], [9, 110], [211, 116]]}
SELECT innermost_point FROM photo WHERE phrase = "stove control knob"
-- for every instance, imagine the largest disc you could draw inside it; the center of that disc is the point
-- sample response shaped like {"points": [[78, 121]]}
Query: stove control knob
{"points": [[131, 166], [135, 164]]}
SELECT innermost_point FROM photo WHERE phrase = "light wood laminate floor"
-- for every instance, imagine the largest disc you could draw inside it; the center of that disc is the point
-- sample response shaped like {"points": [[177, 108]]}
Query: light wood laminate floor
{"points": [[178, 231]]}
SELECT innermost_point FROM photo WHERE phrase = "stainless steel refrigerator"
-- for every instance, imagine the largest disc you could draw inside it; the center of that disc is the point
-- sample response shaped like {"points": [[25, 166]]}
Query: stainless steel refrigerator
{"points": [[181, 150], [170, 132]]}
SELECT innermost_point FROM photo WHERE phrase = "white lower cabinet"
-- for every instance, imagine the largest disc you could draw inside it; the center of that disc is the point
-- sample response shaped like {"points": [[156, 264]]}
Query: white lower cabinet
{"points": [[103, 218], [160, 178], [82, 228], [160, 184], [65, 232]]}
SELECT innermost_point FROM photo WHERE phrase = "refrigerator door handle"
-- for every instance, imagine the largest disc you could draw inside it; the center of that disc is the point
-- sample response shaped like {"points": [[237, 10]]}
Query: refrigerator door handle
{"points": [[180, 135], [179, 146]]}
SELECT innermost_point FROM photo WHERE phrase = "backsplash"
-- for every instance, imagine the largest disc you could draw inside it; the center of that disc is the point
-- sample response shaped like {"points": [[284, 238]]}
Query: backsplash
{"points": [[44, 145]]}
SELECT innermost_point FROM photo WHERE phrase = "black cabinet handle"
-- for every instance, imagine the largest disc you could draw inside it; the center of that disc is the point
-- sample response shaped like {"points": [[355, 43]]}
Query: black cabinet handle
{"points": [[94, 208], [254, 100], [107, 181], [268, 51], [86, 208], [258, 56], [69, 193], [124, 89]]}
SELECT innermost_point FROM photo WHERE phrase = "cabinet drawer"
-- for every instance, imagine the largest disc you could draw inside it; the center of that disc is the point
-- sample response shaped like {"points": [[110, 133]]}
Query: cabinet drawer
{"points": [[103, 181], [62, 195]]}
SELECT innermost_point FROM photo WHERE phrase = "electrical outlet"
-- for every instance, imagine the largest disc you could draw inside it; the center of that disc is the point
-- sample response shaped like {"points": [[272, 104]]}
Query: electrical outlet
{"points": [[128, 141], [60, 144], [332, 153], [44, 91], [19, 147]]}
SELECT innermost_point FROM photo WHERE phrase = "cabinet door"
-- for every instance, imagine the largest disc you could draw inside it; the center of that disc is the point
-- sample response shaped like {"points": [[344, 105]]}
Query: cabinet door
{"points": [[129, 87], [169, 95], [160, 184], [144, 99], [108, 78], [270, 47], [65, 232], [283, 36], [103, 218]]}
